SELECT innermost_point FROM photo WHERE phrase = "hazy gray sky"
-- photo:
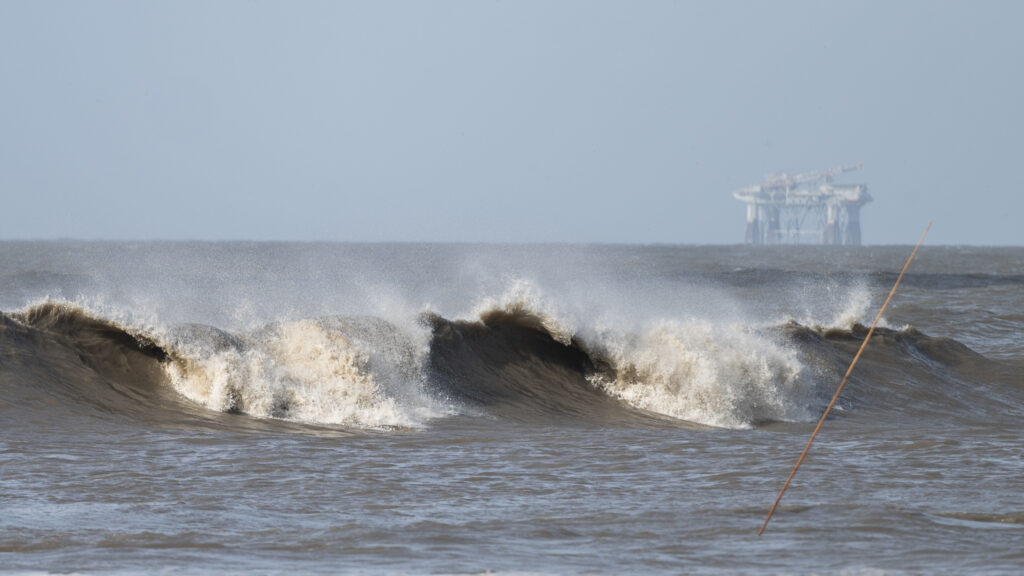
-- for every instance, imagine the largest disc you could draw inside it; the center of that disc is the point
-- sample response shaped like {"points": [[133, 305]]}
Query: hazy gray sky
{"points": [[502, 120]]}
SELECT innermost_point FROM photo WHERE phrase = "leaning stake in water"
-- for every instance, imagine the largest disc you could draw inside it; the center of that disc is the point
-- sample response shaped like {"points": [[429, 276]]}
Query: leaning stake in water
{"points": [[835, 396]]}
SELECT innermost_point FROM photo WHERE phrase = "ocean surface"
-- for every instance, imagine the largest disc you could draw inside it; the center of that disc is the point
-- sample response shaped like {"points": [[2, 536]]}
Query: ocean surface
{"points": [[291, 408]]}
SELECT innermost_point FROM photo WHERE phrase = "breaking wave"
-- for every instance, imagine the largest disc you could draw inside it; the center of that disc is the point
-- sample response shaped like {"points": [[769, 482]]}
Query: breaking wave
{"points": [[716, 375], [516, 359], [357, 372], [352, 372]]}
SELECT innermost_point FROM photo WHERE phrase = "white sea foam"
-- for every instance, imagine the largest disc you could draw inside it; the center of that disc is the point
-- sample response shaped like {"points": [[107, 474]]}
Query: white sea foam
{"points": [[718, 375], [355, 373]]}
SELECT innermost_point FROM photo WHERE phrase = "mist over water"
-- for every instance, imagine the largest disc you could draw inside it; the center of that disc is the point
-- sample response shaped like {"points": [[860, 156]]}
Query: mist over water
{"points": [[550, 408]]}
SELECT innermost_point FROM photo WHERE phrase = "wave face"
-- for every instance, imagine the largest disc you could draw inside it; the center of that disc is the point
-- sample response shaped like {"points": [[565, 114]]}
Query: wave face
{"points": [[512, 362], [908, 373], [57, 356], [510, 365]]}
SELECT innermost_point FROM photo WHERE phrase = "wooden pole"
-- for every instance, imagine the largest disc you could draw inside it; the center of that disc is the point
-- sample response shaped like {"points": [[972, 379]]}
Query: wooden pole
{"points": [[839, 389]]}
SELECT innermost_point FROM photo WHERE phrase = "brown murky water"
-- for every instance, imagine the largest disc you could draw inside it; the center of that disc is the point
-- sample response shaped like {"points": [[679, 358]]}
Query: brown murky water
{"points": [[321, 408]]}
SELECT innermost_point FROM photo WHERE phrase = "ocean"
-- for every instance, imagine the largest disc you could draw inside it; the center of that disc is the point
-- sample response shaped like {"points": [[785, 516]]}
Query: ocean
{"points": [[326, 408]]}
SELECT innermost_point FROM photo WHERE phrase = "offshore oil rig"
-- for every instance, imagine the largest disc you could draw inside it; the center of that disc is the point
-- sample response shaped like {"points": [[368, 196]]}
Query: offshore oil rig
{"points": [[804, 208]]}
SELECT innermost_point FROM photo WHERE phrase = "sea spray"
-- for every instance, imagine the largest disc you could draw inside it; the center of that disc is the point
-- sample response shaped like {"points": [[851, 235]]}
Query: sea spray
{"points": [[526, 302]]}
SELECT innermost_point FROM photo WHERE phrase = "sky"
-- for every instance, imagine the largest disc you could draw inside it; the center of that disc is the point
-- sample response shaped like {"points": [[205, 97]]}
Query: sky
{"points": [[502, 121]]}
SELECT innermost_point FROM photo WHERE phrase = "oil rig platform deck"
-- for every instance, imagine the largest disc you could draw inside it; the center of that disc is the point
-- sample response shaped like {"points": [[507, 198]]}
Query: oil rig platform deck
{"points": [[804, 208]]}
